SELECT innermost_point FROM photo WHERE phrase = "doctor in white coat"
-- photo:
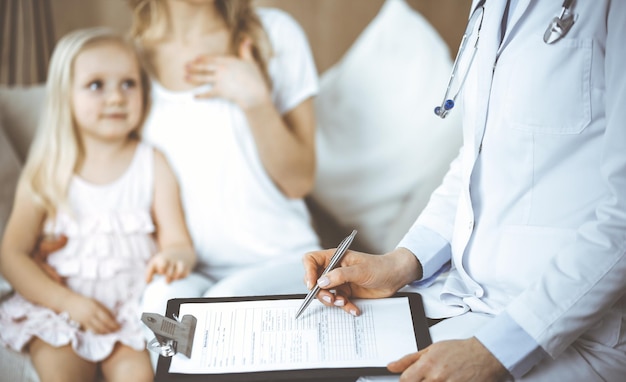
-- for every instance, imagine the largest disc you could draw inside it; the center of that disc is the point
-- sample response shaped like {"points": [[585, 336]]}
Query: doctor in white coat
{"points": [[522, 248]]}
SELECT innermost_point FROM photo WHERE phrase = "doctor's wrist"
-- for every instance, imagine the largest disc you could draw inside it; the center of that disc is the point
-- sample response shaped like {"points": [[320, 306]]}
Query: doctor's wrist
{"points": [[406, 266]]}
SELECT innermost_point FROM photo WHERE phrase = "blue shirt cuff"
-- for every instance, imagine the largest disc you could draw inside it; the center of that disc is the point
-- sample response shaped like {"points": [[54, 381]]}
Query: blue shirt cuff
{"points": [[431, 250], [511, 345]]}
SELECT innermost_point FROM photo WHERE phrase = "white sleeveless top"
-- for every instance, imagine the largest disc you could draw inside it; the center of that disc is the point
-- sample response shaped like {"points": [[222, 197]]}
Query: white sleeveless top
{"points": [[109, 243]]}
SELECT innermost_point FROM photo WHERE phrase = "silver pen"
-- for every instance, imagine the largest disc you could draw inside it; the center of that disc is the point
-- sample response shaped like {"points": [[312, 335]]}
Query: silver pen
{"points": [[341, 250]]}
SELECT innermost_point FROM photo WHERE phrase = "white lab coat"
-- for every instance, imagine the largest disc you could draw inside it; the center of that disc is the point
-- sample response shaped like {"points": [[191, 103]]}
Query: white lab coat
{"points": [[534, 207]]}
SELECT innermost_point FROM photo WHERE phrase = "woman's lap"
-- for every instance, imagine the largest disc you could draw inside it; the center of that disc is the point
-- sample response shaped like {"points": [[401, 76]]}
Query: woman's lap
{"points": [[158, 292], [270, 278]]}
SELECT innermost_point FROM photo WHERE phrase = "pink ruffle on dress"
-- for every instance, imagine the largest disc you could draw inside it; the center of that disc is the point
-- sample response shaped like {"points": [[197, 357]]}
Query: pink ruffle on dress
{"points": [[110, 240]]}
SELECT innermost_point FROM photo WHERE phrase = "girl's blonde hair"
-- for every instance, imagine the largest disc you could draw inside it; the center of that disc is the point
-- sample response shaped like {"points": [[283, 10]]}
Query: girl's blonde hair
{"points": [[150, 24], [56, 150]]}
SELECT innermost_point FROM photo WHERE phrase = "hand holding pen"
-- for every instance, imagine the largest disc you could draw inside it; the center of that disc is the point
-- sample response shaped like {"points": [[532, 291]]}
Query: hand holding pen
{"points": [[359, 275], [334, 261]]}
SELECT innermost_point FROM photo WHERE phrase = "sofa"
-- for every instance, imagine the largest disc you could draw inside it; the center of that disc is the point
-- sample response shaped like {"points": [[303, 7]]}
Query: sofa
{"points": [[381, 150]]}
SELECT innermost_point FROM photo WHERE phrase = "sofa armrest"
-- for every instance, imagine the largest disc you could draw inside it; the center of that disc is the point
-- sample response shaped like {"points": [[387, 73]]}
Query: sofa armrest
{"points": [[20, 109], [10, 167]]}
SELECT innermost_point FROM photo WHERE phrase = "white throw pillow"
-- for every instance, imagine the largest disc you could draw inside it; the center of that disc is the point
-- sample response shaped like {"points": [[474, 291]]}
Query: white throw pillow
{"points": [[380, 147]]}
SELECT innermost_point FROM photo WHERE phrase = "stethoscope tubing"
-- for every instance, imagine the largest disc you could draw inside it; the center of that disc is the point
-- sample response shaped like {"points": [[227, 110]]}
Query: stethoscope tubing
{"points": [[557, 29]]}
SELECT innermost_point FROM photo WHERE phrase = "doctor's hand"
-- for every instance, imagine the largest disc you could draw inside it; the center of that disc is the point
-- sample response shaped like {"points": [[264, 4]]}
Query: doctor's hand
{"points": [[455, 360], [359, 275], [237, 79]]}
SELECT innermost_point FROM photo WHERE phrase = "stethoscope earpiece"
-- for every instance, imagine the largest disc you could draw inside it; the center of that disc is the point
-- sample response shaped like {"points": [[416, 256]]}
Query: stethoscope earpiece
{"points": [[442, 111]]}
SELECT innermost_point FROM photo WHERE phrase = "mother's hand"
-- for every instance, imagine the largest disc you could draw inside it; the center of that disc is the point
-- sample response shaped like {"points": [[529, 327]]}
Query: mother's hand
{"points": [[360, 275], [237, 79], [45, 246]]}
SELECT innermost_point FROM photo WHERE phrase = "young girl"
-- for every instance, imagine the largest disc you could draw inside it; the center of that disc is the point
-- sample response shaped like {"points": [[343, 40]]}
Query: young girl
{"points": [[88, 177], [232, 93]]}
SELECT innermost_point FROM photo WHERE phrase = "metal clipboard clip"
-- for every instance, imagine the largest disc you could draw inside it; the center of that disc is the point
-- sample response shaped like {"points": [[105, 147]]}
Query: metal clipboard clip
{"points": [[172, 336]]}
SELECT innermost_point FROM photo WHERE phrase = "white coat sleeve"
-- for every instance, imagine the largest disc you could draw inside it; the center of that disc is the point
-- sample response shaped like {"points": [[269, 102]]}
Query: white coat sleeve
{"points": [[429, 237]]}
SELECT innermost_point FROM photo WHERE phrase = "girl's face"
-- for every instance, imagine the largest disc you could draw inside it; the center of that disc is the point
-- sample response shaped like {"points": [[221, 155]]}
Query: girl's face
{"points": [[106, 91]]}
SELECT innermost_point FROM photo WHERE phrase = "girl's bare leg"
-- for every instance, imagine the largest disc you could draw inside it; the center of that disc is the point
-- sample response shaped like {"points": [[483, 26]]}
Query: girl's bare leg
{"points": [[60, 364], [127, 364]]}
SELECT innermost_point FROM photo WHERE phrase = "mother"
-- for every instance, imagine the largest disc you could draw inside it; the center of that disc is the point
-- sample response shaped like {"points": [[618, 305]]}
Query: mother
{"points": [[232, 109]]}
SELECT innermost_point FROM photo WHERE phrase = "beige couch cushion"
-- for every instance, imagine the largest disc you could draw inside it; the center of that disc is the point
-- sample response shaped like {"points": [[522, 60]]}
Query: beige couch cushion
{"points": [[19, 111], [20, 108], [10, 167]]}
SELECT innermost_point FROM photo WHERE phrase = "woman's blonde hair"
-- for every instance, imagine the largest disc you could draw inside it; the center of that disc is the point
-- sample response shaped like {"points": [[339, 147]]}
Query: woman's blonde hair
{"points": [[56, 149], [150, 25]]}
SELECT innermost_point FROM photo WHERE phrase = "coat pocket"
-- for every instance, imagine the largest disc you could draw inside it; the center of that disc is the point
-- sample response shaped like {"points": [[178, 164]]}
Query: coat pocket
{"points": [[562, 73]]}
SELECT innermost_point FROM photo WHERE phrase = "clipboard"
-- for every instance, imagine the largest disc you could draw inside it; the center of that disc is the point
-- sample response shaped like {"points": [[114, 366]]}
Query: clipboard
{"points": [[176, 336]]}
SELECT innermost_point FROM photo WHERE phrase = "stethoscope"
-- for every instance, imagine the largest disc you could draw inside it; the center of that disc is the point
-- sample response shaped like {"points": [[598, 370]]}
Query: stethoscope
{"points": [[557, 29]]}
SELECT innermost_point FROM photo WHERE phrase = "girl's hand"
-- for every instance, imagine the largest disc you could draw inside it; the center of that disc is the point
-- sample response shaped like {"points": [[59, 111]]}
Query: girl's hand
{"points": [[168, 265], [90, 315], [237, 79]]}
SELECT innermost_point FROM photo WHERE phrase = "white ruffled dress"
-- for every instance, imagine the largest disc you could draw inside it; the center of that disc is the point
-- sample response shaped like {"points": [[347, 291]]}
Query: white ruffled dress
{"points": [[110, 239]]}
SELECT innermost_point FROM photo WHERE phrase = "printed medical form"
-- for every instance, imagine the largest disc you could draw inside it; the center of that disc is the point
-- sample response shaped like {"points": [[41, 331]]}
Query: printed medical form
{"points": [[262, 335]]}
